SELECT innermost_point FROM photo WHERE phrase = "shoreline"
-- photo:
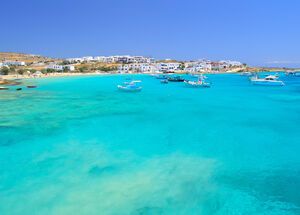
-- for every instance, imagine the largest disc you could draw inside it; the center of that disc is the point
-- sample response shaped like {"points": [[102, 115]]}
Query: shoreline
{"points": [[68, 74], [52, 75]]}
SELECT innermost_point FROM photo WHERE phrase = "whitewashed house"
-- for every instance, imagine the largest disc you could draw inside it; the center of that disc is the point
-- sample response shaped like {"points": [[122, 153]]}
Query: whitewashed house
{"points": [[87, 58], [14, 63], [230, 63], [136, 67], [168, 67], [61, 67], [74, 60]]}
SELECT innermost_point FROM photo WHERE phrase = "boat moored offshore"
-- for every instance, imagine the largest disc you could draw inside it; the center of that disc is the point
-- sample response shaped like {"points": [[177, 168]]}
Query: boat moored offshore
{"points": [[199, 83], [270, 80], [4, 88], [246, 73], [131, 86], [176, 79], [161, 76], [293, 73]]}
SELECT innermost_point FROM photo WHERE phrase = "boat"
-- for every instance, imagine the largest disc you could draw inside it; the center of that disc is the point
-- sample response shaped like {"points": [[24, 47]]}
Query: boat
{"points": [[18, 89], [270, 80], [161, 76], [164, 81], [293, 73], [246, 74], [175, 79], [4, 88], [130, 86], [31, 86], [199, 83]]}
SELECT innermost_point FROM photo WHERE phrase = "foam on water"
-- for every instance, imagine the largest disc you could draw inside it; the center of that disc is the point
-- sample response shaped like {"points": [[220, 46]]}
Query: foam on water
{"points": [[78, 146]]}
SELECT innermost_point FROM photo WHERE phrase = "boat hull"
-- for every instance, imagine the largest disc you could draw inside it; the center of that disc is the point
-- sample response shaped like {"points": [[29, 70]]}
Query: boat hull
{"points": [[129, 89], [267, 83], [196, 85], [175, 80]]}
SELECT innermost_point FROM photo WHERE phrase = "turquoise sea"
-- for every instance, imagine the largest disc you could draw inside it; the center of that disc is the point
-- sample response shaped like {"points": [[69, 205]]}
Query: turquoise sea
{"points": [[79, 146]]}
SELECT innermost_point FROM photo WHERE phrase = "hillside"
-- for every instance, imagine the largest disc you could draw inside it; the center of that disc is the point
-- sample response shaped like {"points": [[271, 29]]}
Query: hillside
{"points": [[27, 58]]}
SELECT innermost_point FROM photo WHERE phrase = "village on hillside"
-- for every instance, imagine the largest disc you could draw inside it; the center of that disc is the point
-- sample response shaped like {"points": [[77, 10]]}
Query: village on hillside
{"points": [[35, 65]]}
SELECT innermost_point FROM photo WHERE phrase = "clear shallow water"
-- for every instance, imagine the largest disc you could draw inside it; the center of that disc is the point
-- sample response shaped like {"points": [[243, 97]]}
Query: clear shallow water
{"points": [[78, 146]]}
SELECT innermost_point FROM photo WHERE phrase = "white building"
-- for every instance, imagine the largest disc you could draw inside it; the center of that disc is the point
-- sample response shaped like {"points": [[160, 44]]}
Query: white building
{"points": [[14, 63], [168, 67], [136, 67], [61, 67], [74, 60], [198, 66], [87, 58], [101, 59], [231, 63], [113, 59]]}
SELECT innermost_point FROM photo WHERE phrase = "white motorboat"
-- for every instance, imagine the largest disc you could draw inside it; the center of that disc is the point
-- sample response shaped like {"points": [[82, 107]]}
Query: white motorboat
{"points": [[270, 80], [131, 86], [199, 83]]}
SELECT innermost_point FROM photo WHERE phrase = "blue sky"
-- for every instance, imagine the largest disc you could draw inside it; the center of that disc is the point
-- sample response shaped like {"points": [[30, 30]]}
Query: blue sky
{"points": [[259, 32]]}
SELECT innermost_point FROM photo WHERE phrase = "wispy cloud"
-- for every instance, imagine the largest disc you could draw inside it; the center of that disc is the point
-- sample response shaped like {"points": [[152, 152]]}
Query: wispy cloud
{"points": [[283, 62]]}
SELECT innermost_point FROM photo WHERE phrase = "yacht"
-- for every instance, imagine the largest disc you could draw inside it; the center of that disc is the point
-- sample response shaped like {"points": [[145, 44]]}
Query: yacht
{"points": [[270, 80]]}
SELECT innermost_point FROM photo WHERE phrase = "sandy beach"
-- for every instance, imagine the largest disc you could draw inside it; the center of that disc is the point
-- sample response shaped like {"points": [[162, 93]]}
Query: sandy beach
{"points": [[52, 75]]}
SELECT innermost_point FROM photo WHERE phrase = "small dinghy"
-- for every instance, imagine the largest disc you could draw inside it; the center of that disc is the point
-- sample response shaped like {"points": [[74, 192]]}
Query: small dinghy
{"points": [[131, 86], [18, 89], [31, 86]]}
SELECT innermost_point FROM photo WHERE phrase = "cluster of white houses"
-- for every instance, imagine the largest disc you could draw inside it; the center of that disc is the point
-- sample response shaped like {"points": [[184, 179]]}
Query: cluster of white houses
{"points": [[61, 67], [112, 59], [12, 63], [133, 64], [148, 67], [191, 66]]}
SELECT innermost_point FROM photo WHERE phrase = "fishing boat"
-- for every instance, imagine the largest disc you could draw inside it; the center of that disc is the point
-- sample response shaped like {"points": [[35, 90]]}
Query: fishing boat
{"points": [[4, 88], [175, 79], [31, 86], [270, 80], [130, 86], [199, 83], [164, 81]]}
